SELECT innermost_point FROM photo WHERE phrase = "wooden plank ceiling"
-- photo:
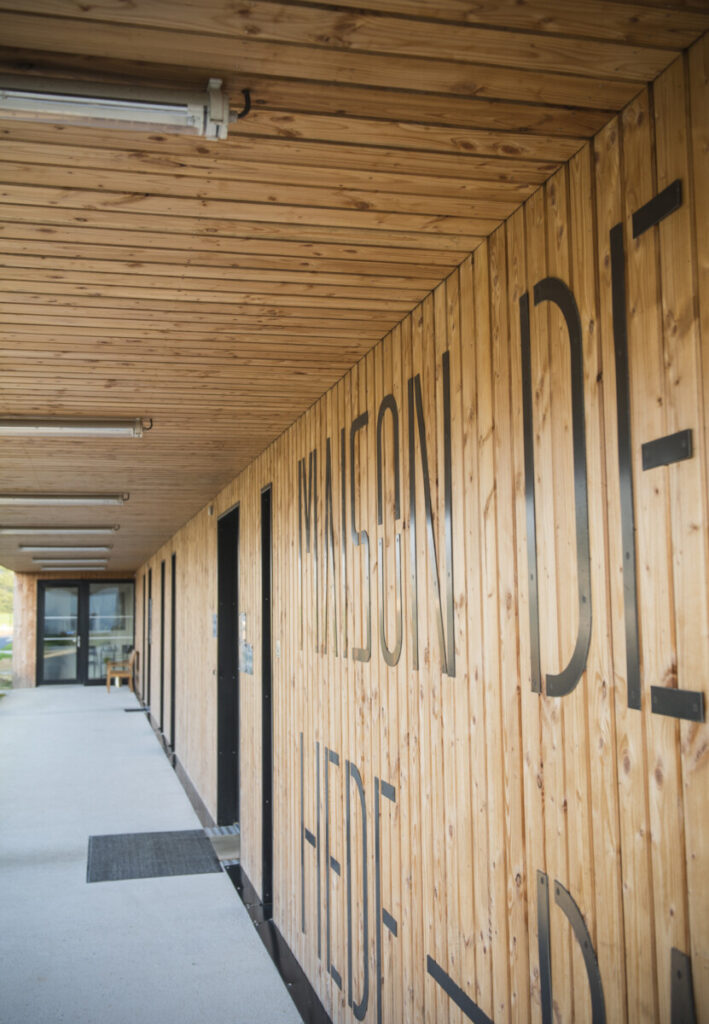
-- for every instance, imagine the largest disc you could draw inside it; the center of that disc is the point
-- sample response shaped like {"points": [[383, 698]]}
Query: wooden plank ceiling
{"points": [[221, 287]]}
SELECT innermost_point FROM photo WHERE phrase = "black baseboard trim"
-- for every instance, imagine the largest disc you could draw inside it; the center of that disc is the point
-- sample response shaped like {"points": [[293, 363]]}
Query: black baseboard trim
{"points": [[301, 991], [165, 745], [200, 808], [155, 726], [294, 977]]}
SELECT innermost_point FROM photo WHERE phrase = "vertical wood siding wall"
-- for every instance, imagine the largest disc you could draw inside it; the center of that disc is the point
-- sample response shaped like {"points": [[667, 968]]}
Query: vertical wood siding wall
{"points": [[24, 648], [484, 801]]}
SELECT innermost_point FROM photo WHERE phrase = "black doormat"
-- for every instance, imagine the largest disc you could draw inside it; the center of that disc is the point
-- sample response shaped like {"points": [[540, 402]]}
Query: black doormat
{"points": [[149, 855]]}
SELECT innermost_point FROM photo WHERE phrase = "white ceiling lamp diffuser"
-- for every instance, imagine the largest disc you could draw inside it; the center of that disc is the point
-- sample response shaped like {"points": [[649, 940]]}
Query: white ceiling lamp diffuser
{"points": [[72, 568], [172, 111], [72, 563], [54, 427], [74, 549], [63, 499], [64, 531]]}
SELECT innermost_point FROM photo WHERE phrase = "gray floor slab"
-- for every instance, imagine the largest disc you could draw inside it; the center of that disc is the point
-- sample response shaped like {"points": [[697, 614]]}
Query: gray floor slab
{"points": [[175, 950]]}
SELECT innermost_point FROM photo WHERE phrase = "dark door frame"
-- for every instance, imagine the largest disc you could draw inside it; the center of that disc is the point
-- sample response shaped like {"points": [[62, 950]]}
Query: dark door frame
{"points": [[145, 639], [266, 703], [149, 648], [162, 646], [228, 668], [82, 611], [173, 646], [80, 663]]}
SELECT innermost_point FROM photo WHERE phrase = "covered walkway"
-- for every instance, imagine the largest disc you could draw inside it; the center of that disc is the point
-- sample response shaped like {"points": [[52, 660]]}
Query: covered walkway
{"points": [[178, 949]]}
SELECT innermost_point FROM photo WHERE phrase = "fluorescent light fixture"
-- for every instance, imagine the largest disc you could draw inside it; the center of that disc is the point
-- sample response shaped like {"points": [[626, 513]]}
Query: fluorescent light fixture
{"points": [[62, 101], [63, 499], [29, 531], [47, 549], [51, 562], [73, 428], [71, 568]]}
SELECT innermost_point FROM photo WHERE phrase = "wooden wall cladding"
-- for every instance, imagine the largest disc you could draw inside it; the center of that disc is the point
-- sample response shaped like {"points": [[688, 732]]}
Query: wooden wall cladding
{"points": [[219, 288], [449, 843], [24, 654], [194, 739]]}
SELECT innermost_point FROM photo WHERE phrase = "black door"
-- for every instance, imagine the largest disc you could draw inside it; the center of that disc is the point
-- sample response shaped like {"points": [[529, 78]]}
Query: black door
{"points": [[228, 668], [266, 707], [173, 647], [162, 647], [149, 648], [81, 625], [145, 639]]}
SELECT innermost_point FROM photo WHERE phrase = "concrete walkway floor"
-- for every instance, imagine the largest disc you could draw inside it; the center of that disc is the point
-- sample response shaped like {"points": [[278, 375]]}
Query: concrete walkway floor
{"points": [[171, 950]]}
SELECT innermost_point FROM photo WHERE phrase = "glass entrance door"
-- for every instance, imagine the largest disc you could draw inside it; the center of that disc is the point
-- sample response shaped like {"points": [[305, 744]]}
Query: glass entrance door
{"points": [[59, 632], [81, 626]]}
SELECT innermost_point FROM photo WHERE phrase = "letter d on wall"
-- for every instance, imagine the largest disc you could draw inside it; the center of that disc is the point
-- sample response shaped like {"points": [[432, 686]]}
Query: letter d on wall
{"points": [[551, 289]]}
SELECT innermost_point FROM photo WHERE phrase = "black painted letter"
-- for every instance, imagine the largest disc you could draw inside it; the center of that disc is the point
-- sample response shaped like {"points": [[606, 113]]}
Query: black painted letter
{"points": [[329, 553], [382, 916], [416, 418], [308, 512], [330, 865], [307, 835], [361, 537], [359, 1009], [391, 655], [551, 289]]}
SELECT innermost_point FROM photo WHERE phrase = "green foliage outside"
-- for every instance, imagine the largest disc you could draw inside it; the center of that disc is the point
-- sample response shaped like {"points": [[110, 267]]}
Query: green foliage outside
{"points": [[7, 586]]}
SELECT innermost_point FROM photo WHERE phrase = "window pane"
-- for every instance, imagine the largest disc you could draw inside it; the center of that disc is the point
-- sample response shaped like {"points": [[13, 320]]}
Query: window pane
{"points": [[110, 625], [59, 633]]}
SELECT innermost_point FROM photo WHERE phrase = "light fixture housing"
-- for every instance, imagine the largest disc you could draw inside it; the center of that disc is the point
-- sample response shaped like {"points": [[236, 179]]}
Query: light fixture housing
{"points": [[72, 562], [76, 549], [63, 499], [65, 531], [51, 427], [63, 101], [71, 568]]}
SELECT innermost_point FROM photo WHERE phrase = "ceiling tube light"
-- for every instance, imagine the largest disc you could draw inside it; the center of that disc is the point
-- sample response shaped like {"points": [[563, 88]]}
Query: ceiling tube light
{"points": [[71, 568], [75, 549], [30, 531], [73, 428], [62, 101], [70, 561], [63, 499]]}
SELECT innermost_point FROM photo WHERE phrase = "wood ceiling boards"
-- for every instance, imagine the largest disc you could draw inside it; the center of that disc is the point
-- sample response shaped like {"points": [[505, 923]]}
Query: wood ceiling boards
{"points": [[221, 287]]}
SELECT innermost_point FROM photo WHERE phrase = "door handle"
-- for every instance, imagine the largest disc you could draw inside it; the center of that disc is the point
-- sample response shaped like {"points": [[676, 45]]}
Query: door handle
{"points": [[78, 641]]}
